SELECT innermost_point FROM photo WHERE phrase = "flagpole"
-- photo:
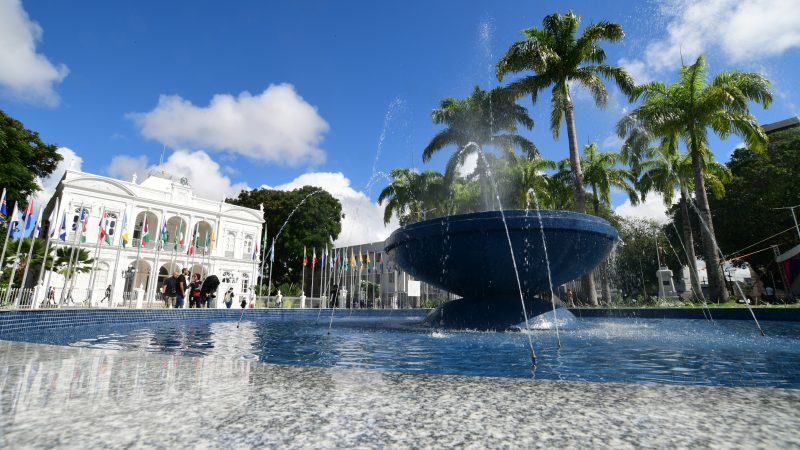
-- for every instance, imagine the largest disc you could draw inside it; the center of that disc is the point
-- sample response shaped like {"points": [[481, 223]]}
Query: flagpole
{"points": [[47, 244], [83, 220], [71, 254], [271, 263], [8, 235], [36, 230], [153, 281], [313, 263], [16, 255], [261, 262], [303, 276], [93, 274], [116, 262], [203, 256]]}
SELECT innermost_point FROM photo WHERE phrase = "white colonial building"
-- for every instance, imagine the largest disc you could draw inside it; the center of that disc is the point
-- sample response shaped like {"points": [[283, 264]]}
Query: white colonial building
{"points": [[136, 271]]}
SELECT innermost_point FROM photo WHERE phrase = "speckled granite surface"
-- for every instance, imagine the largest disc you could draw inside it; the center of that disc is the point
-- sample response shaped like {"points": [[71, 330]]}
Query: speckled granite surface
{"points": [[87, 398]]}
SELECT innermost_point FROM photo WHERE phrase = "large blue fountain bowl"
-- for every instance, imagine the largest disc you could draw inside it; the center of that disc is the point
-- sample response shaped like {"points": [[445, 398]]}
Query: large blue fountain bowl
{"points": [[470, 255]]}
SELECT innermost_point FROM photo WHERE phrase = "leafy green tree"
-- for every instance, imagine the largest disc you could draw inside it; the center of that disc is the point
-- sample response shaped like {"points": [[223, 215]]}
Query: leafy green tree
{"points": [[760, 182], [635, 263], [480, 120], [558, 57], [308, 216], [521, 178], [411, 195], [25, 158], [689, 108], [667, 172]]}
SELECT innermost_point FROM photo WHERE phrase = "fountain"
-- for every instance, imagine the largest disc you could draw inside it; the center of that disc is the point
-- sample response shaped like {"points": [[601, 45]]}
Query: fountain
{"points": [[480, 267]]}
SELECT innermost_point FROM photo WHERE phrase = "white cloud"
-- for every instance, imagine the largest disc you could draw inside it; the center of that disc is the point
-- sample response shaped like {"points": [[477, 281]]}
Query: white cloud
{"points": [[363, 221], [204, 174], [653, 208], [275, 126], [743, 30], [469, 166], [70, 161], [24, 73], [123, 167], [612, 142]]}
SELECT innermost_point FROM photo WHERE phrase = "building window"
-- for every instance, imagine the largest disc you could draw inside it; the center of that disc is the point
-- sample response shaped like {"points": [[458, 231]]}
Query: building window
{"points": [[227, 277], [230, 242], [248, 246], [245, 281]]}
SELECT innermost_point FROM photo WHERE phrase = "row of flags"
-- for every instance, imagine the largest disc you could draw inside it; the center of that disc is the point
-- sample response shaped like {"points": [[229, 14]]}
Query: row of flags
{"points": [[361, 263], [24, 223]]}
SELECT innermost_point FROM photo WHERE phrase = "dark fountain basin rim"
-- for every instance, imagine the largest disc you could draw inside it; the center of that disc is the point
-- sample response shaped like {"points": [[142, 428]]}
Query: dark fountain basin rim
{"points": [[551, 220]]}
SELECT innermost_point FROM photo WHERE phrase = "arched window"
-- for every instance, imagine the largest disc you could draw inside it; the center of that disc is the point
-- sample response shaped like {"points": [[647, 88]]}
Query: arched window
{"points": [[227, 277], [230, 242], [245, 277], [248, 246]]}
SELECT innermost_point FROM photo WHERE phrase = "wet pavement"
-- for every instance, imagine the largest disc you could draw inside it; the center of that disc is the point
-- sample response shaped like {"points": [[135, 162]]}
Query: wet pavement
{"points": [[87, 398]]}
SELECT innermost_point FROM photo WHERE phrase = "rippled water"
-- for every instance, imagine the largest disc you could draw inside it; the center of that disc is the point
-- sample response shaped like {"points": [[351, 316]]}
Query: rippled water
{"points": [[621, 350]]}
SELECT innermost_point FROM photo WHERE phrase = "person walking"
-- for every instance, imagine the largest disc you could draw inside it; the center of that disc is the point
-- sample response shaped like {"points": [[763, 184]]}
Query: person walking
{"points": [[170, 290], [107, 296], [180, 292], [228, 298]]}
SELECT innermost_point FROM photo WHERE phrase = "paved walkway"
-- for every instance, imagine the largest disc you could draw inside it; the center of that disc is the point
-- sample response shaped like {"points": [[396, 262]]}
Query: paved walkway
{"points": [[88, 398]]}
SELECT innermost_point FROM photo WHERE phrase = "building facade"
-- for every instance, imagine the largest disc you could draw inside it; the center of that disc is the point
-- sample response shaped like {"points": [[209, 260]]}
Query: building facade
{"points": [[163, 219]]}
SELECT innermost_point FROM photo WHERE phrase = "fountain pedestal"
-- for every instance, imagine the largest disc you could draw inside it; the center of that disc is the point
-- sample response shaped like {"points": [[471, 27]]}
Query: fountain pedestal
{"points": [[469, 255]]}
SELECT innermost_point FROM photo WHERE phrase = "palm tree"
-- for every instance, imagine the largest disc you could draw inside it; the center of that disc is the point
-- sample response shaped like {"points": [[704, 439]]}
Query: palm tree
{"points": [[482, 119], [602, 174], [688, 108], [21, 258], [668, 172], [558, 58], [526, 177], [411, 195], [81, 261]]}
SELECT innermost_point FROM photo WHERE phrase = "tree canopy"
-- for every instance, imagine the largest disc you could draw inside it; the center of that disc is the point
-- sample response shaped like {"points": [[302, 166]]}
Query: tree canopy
{"points": [[312, 218], [25, 159]]}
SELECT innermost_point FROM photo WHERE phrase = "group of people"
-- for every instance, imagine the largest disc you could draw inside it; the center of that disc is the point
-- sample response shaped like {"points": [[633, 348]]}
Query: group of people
{"points": [[201, 294], [176, 289]]}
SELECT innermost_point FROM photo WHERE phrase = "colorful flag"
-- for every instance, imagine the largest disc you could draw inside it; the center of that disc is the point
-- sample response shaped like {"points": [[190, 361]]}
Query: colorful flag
{"points": [[255, 252], [314, 258], [305, 258], [207, 247], [195, 241], [3, 207], [145, 233], [62, 232], [360, 261], [39, 224], [272, 252], [125, 230], [381, 262], [52, 221], [26, 222], [369, 263], [180, 236], [102, 236], [164, 234], [14, 222], [84, 221], [214, 240], [324, 257], [352, 259]]}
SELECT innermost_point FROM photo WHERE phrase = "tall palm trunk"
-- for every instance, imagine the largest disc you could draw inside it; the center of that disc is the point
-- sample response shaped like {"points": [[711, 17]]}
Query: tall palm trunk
{"points": [[688, 241], [587, 280], [716, 280]]}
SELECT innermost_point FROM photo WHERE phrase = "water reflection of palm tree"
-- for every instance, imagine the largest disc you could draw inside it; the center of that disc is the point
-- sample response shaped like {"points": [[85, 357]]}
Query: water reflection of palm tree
{"points": [[688, 108], [559, 58], [482, 119]]}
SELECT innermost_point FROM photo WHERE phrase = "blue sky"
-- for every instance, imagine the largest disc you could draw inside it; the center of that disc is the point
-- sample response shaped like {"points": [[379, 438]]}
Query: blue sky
{"points": [[286, 93]]}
